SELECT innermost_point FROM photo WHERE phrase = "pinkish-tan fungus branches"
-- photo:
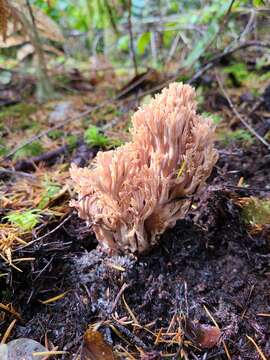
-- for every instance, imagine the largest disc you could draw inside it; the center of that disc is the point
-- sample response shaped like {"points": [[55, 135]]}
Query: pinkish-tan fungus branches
{"points": [[132, 194]]}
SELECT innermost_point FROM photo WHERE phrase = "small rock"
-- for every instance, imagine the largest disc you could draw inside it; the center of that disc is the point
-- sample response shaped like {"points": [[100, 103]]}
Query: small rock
{"points": [[61, 112], [3, 352], [21, 349]]}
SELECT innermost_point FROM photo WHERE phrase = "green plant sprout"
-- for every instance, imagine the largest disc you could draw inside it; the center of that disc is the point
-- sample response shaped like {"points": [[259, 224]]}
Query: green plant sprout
{"points": [[25, 220], [93, 137]]}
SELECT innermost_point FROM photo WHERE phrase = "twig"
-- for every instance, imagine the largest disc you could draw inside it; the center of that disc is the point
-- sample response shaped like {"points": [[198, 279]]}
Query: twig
{"points": [[16, 173], [222, 26], [173, 47], [111, 17], [45, 235], [131, 37], [133, 339], [123, 288], [45, 85], [249, 25], [44, 268], [242, 188], [153, 47], [248, 301], [229, 51], [240, 117], [47, 157], [57, 126]]}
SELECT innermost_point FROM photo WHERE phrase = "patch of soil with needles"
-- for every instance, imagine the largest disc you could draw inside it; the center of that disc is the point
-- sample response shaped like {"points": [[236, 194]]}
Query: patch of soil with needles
{"points": [[207, 268]]}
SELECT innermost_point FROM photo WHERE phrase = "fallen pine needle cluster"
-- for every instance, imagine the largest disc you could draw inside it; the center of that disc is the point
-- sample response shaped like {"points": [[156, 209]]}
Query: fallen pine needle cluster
{"points": [[132, 194]]}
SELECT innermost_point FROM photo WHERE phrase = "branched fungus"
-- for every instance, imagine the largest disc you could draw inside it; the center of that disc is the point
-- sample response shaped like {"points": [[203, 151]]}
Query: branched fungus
{"points": [[132, 194]]}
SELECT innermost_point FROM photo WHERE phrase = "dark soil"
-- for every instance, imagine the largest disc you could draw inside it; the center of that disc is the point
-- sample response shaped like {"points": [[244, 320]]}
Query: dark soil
{"points": [[207, 260]]}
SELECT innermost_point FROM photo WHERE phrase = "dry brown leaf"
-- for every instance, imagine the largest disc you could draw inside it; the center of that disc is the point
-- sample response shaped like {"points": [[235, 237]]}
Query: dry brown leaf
{"points": [[204, 336], [48, 28], [25, 51], [45, 25], [14, 40], [95, 348]]}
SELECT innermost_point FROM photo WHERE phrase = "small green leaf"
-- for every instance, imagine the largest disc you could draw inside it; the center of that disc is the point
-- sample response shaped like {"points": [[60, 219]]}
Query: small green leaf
{"points": [[143, 42], [55, 134], [215, 117], [25, 220], [93, 137], [238, 70], [258, 3], [168, 36], [123, 43]]}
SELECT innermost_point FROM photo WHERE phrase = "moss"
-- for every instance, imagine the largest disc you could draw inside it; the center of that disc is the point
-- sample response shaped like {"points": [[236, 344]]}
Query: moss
{"points": [[72, 141], [56, 134], [3, 148], [21, 114], [29, 150], [17, 111], [256, 211], [25, 220], [240, 136]]}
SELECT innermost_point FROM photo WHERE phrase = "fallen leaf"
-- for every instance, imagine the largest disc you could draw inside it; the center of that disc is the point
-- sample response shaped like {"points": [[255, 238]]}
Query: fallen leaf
{"points": [[95, 348], [204, 336]]}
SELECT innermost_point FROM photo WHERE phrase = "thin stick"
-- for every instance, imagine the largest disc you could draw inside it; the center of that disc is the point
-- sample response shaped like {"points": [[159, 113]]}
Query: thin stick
{"points": [[228, 51], [240, 117], [45, 235], [55, 127], [45, 83], [123, 288], [112, 20], [16, 173], [131, 37], [222, 26]]}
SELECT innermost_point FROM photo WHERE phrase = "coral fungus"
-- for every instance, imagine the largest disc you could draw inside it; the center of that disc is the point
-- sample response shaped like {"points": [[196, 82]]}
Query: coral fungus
{"points": [[132, 194]]}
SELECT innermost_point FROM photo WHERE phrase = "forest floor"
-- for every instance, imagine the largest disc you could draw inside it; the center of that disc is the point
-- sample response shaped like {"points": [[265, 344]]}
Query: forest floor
{"points": [[202, 294]]}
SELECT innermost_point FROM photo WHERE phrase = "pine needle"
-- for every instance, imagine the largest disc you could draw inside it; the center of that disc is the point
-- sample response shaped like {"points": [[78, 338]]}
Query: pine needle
{"points": [[182, 167], [55, 298], [10, 309], [257, 347], [49, 353], [8, 331], [129, 311]]}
